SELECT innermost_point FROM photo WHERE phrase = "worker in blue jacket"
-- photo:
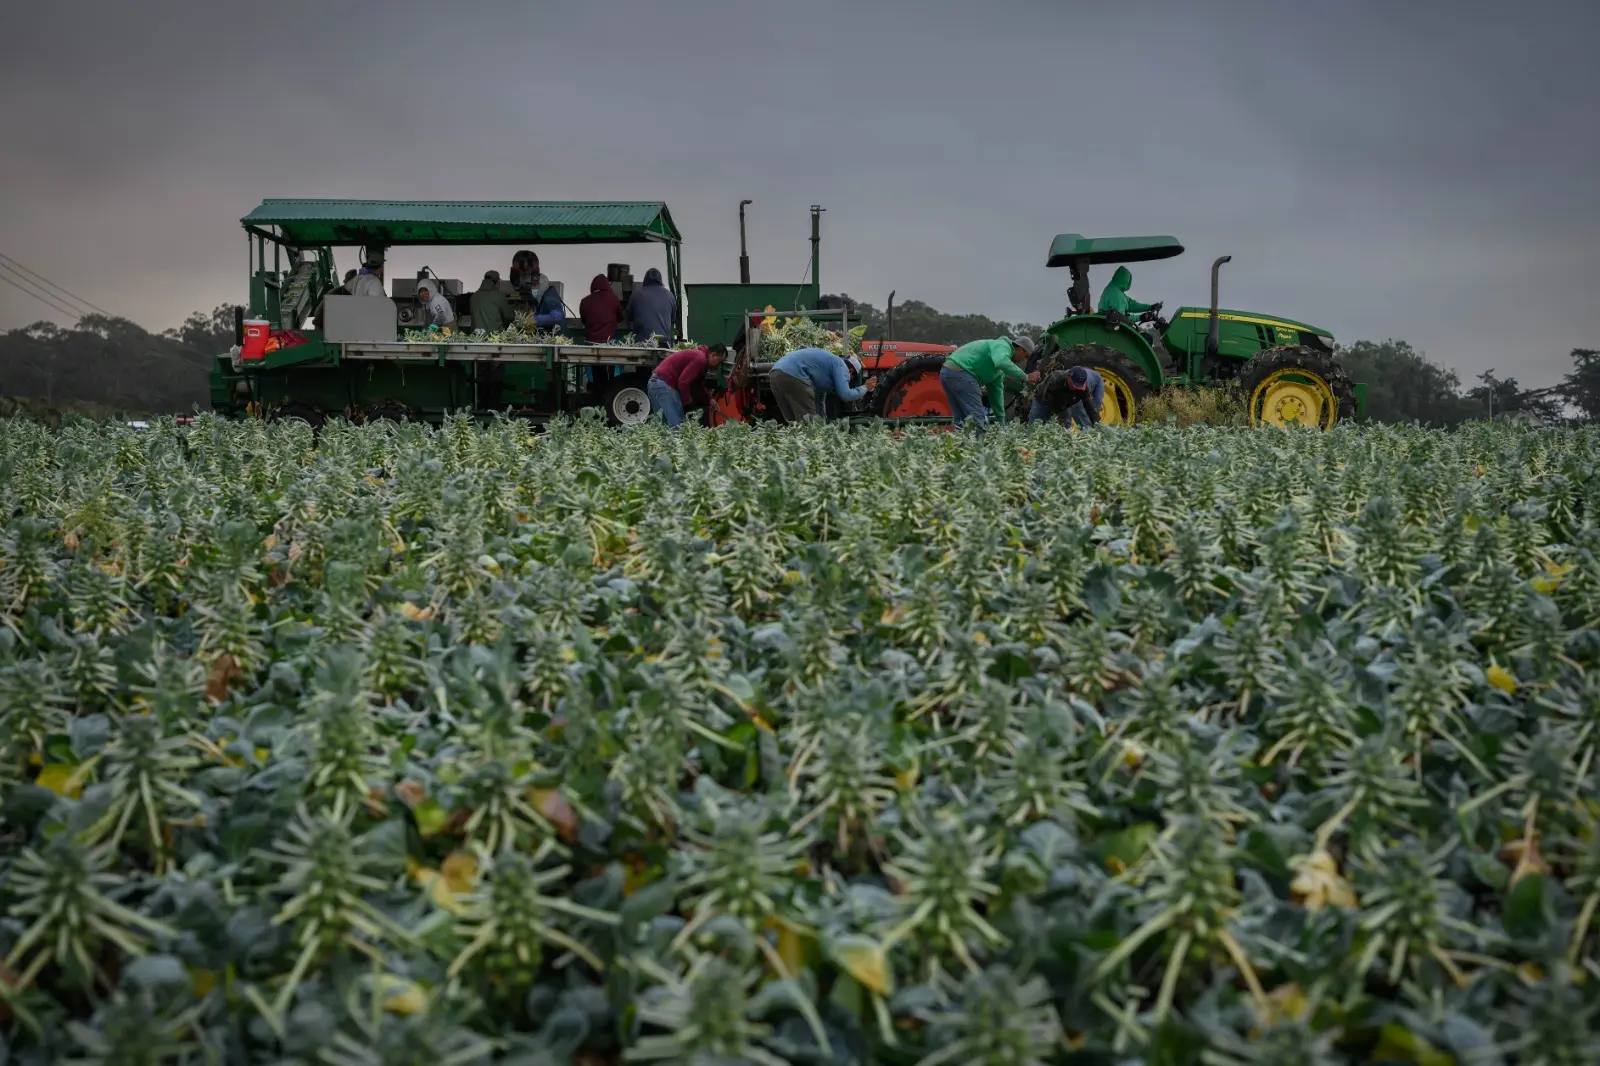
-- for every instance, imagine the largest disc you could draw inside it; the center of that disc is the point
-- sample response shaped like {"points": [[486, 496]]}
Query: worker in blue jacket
{"points": [[802, 378]]}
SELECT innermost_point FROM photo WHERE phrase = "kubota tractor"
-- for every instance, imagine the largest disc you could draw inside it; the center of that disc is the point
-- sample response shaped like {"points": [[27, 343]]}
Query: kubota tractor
{"points": [[1284, 369]]}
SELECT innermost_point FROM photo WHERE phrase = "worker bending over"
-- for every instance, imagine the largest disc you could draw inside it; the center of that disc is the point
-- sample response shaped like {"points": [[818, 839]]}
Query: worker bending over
{"points": [[679, 381], [983, 366], [436, 310], [1074, 396], [1116, 304], [801, 379]]}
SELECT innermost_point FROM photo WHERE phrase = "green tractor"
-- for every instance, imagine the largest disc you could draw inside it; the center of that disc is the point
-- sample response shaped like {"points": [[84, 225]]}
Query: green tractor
{"points": [[1284, 369]]}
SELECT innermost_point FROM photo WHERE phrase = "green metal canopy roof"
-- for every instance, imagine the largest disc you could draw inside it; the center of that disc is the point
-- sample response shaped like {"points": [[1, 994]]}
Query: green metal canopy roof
{"points": [[305, 223], [1097, 250]]}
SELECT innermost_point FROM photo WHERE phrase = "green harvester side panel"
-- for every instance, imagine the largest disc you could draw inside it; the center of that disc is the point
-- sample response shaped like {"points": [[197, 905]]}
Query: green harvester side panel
{"points": [[1092, 329], [717, 311]]}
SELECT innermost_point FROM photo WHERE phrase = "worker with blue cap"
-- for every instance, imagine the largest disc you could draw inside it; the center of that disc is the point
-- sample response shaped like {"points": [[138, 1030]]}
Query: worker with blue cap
{"points": [[1073, 395]]}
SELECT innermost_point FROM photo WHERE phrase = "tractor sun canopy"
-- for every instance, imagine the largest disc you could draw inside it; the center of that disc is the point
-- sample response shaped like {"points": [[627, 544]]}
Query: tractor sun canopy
{"points": [[309, 223], [1070, 248]]}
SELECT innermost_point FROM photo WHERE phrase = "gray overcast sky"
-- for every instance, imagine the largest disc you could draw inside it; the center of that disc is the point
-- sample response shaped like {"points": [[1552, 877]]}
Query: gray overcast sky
{"points": [[1423, 170]]}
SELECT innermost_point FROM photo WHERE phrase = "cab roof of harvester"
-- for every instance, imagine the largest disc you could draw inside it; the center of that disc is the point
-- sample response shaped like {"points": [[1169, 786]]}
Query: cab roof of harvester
{"points": [[305, 223], [1068, 247]]}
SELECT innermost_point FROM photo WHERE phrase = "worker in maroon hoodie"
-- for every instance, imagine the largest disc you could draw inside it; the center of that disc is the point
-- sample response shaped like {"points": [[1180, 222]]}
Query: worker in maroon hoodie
{"points": [[600, 311], [679, 381]]}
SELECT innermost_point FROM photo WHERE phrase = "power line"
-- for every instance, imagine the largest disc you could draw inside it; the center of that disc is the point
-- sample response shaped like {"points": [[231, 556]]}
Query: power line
{"points": [[51, 302], [52, 285]]}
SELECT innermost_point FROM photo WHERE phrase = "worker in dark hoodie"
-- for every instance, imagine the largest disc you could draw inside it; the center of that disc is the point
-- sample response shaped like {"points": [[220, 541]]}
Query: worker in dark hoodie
{"points": [[1116, 304], [600, 311], [490, 309], [652, 309]]}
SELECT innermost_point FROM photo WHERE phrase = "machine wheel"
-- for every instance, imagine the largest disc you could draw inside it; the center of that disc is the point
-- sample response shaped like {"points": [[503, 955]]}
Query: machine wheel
{"points": [[1297, 386], [387, 411], [299, 412], [910, 389], [1126, 384], [625, 400]]}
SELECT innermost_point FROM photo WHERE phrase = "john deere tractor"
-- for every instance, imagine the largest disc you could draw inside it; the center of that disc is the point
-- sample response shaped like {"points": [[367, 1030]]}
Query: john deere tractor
{"points": [[1284, 369]]}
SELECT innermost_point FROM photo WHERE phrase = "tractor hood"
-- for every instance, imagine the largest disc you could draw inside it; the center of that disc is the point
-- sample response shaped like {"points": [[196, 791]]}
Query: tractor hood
{"points": [[1252, 318]]}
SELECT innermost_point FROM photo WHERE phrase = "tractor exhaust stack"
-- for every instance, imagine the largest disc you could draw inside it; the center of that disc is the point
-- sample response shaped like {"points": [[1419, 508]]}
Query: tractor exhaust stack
{"points": [[1211, 329], [744, 252], [816, 246]]}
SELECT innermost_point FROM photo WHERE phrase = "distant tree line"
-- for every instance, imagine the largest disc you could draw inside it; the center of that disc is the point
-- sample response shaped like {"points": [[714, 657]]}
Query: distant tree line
{"points": [[1404, 385], [111, 365]]}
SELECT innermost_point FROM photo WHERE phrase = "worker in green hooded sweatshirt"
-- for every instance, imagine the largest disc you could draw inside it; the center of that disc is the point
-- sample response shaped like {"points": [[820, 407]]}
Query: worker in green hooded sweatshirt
{"points": [[1116, 298], [982, 367]]}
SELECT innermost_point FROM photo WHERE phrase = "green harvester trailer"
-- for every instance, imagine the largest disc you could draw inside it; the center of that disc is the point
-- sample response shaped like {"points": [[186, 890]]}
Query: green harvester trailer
{"points": [[356, 366], [1285, 369]]}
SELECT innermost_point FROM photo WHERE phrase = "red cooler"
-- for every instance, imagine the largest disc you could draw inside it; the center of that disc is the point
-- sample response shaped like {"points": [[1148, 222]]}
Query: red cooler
{"points": [[256, 333]]}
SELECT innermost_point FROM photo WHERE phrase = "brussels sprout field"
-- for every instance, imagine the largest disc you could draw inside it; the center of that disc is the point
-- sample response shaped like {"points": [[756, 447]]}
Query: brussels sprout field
{"points": [[394, 744]]}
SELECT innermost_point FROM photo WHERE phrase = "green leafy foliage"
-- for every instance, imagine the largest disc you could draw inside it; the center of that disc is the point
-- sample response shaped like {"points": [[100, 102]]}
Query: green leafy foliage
{"points": [[466, 744]]}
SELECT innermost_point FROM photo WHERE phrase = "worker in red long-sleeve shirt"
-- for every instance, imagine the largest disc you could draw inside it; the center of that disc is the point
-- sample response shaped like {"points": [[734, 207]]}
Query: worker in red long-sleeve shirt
{"points": [[679, 380]]}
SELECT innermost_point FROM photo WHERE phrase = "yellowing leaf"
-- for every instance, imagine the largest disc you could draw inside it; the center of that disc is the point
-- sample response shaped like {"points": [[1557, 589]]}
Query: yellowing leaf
{"points": [[398, 995], [1318, 884], [415, 613], [431, 817], [1396, 1043], [1551, 579], [864, 959], [557, 810], [1284, 1003], [204, 981], [1501, 678], [460, 870], [791, 948], [64, 779], [224, 671]]}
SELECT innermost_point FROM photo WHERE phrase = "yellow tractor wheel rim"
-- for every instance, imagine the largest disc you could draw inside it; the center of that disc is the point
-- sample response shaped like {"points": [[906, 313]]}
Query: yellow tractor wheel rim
{"points": [[1119, 407], [1294, 398]]}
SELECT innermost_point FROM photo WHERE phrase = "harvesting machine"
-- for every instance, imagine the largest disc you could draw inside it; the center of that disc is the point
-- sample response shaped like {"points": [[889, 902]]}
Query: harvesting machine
{"points": [[356, 363], [1284, 369]]}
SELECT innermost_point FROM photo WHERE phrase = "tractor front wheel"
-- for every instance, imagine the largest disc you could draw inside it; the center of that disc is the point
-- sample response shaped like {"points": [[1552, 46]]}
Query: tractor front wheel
{"points": [[1297, 386], [1126, 384]]}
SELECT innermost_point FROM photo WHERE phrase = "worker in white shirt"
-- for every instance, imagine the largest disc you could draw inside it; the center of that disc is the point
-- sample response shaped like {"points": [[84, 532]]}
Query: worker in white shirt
{"points": [[436, 310], [369, 282]]}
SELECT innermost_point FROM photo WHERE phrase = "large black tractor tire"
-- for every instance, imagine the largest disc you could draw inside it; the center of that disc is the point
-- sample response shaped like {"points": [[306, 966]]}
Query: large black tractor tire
{"points": [[387, 411], [299, 412], [1285, 397], [910, 389], [1126, 384], [626, 400]]}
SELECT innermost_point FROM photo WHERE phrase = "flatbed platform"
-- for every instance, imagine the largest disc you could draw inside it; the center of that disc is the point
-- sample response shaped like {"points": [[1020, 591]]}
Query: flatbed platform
{"points": [[545, 354]]}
